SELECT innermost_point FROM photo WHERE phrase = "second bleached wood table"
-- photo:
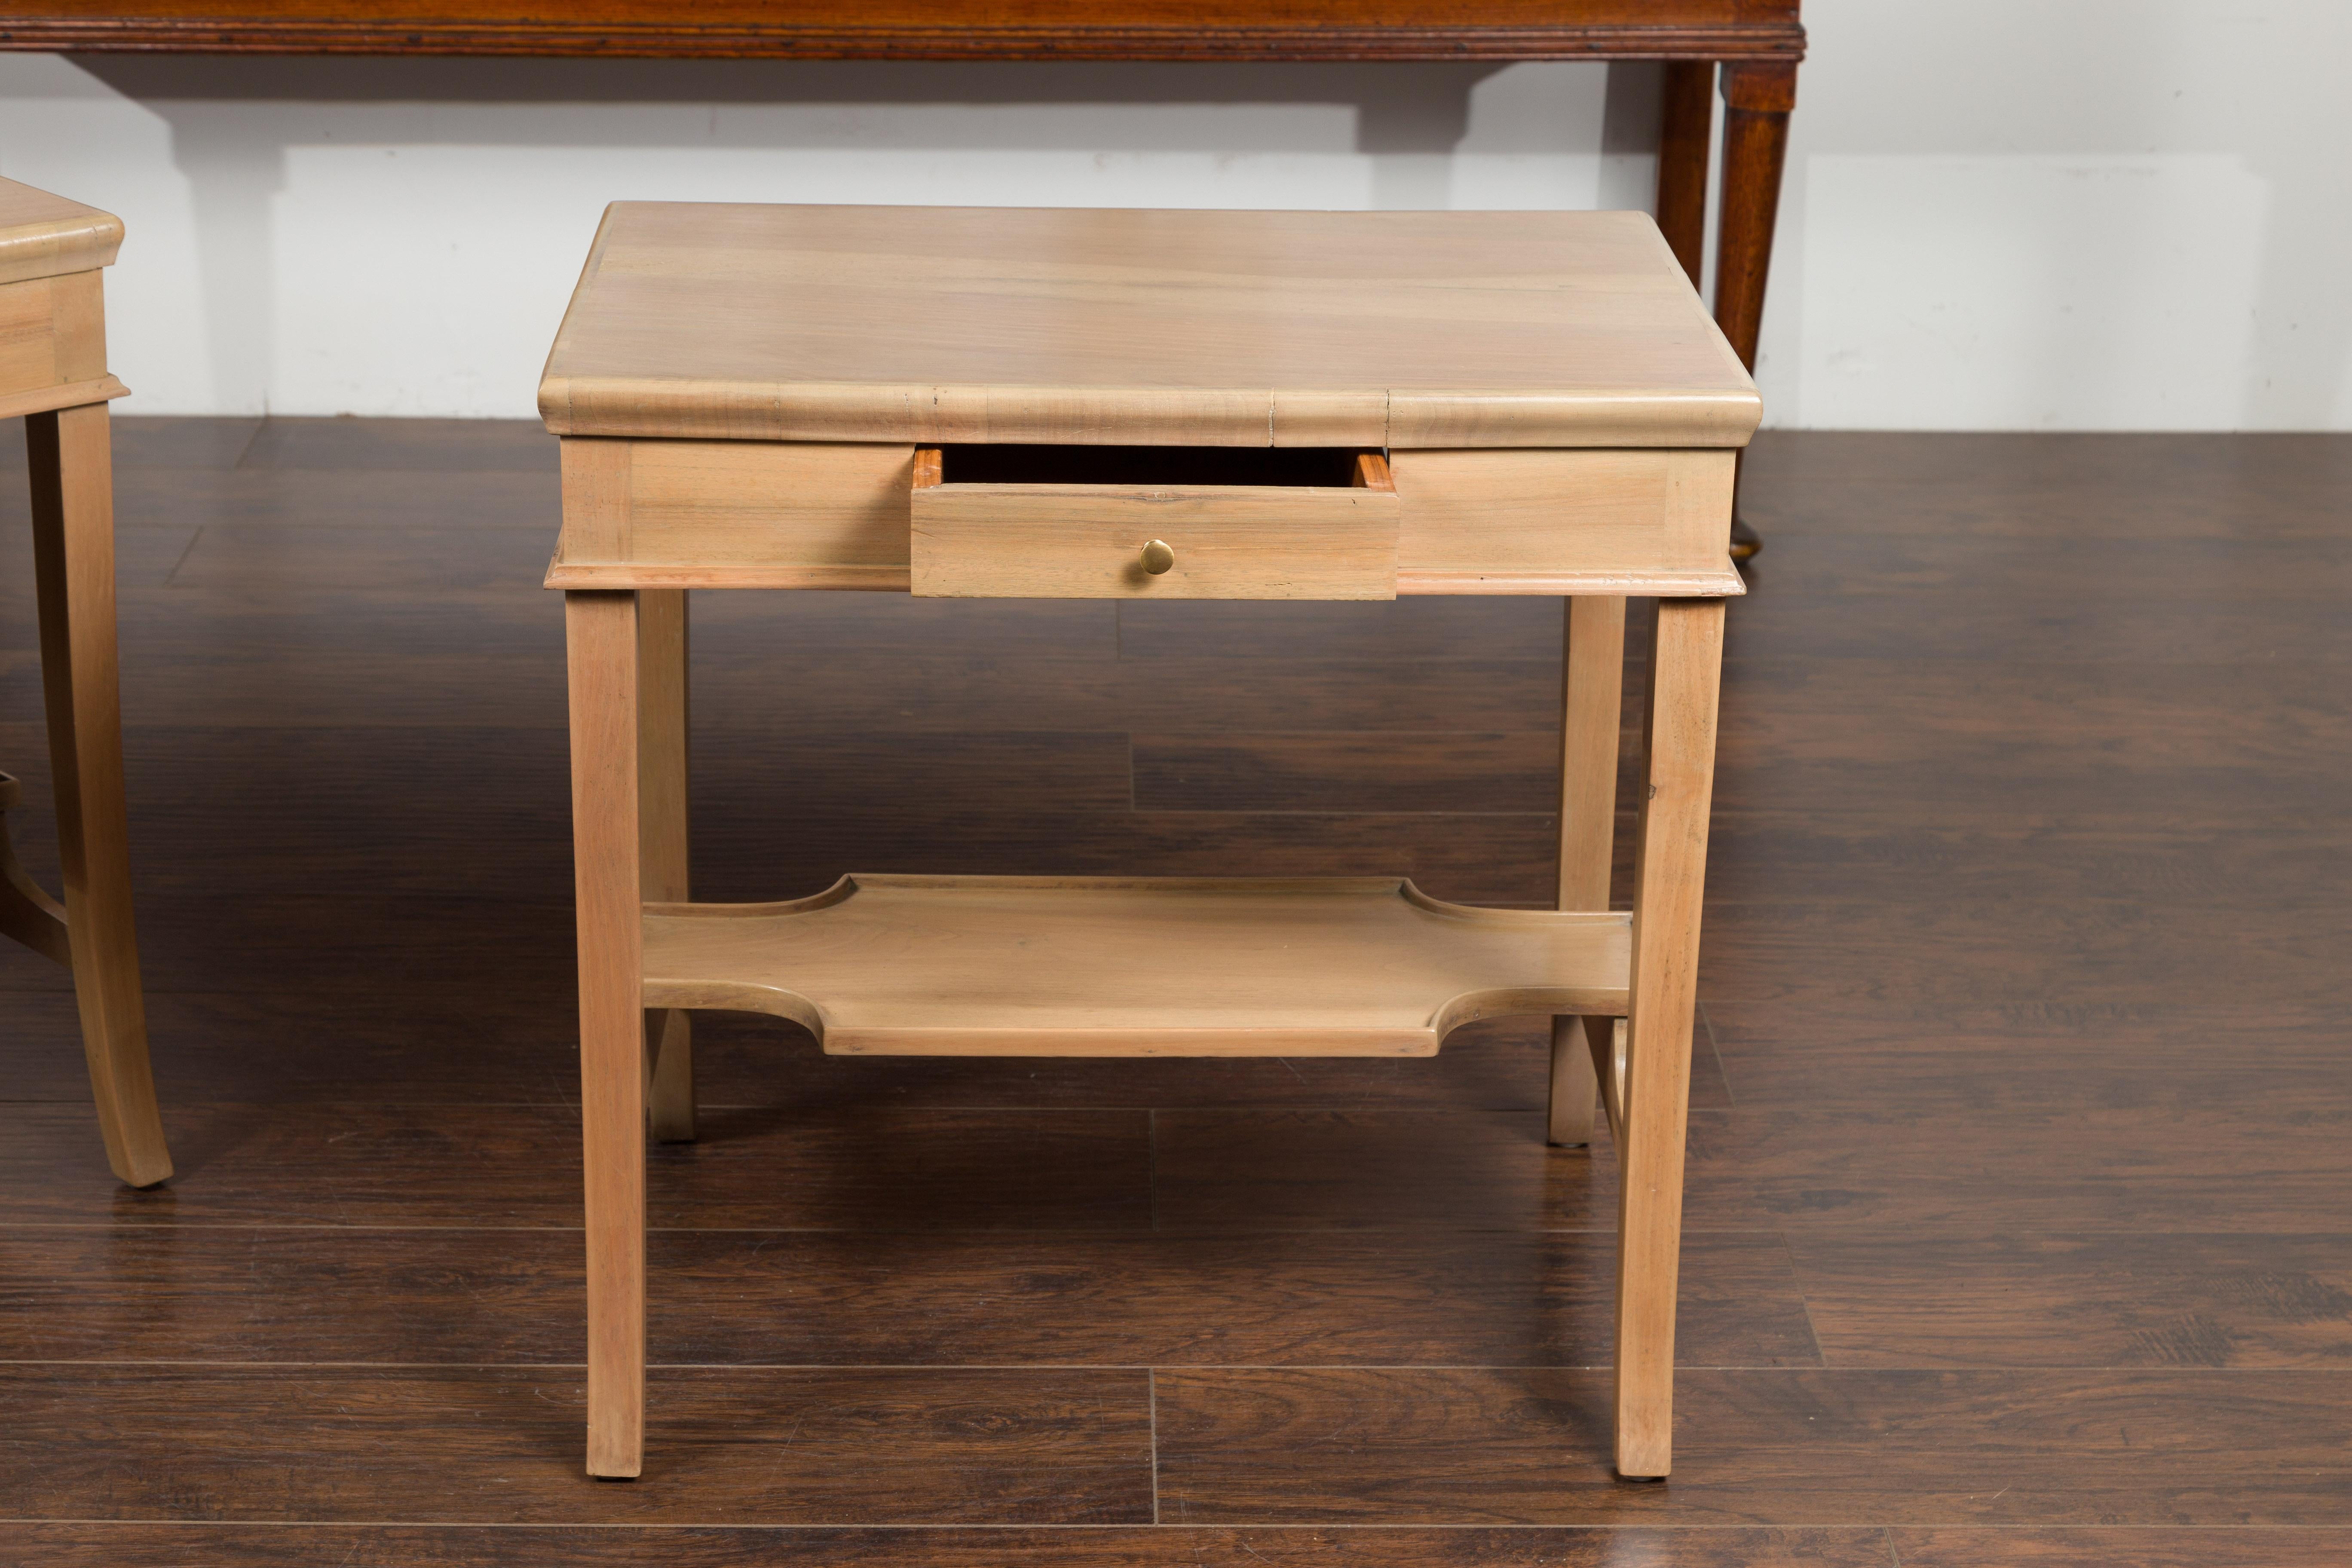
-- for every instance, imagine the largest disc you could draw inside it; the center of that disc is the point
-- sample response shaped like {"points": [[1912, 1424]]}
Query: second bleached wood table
{"points": [[1150, 405], [53, 257]]}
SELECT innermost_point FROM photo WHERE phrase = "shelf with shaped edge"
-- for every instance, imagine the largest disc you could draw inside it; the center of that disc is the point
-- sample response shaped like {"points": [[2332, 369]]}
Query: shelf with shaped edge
{"points": [[911, 965]]}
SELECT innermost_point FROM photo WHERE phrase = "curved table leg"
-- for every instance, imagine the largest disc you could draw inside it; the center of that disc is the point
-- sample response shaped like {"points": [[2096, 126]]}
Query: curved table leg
{"points": [[73, 567]]}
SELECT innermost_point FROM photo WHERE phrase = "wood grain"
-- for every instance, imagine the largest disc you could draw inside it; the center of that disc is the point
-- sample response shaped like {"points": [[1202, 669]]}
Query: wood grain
{"points": [[42, 236], [2075, 1301], [1493, 1446], [2155, 1547], [773, 1446], [602, 635], [1317, 1168], [53, 342], [2066, 1204], [1134, 327], [73, 553], [1085, 541], [1025, 29], [1593, 676], [664, 718], [1651, 1095], [935, 965], [1685, 145], [851, 1167], [271, 1294], [1100, 1546], [1565, 521]]}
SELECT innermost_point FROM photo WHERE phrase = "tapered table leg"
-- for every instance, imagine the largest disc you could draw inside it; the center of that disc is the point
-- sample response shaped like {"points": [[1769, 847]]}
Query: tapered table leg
{"points": [[73, 566], [1685, 665], [662, 776], [1592, 678], [602, 629]]}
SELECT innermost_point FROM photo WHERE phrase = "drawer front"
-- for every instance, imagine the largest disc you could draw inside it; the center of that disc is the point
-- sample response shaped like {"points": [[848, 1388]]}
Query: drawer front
{"points": [[1166, 542]]}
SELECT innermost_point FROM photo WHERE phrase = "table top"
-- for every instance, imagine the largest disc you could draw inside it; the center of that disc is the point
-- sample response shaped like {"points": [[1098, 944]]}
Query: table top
{"points": [[930, 29], [42, 236], [1135, 326]]}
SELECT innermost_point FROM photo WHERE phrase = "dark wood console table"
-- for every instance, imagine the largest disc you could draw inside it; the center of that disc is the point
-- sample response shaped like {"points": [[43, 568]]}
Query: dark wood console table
{"points": [[1757, 44]]}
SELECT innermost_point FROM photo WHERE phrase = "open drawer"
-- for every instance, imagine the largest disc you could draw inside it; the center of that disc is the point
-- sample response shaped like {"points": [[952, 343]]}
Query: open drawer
{"points": [[1177, 522]]}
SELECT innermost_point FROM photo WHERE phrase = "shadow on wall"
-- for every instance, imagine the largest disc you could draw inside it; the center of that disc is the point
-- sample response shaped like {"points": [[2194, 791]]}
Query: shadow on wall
{"points": [[234, 125]]}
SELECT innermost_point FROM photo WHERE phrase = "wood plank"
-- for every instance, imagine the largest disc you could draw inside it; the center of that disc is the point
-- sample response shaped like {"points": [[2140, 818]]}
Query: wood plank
{"points": [[2152, 1547], [2082, 717], [1193, 694], [2003, 1059], [1339, 771], [1318, 1169], [873, 1167], [460, 1298], [1098, 1546], [2079, 1166], [1411, 629], [2087, 955], [2182, 872], [1490, 1446], [770, 1445], [334, 946], [2175, 484], [2079, 1300], [263, 1047]]}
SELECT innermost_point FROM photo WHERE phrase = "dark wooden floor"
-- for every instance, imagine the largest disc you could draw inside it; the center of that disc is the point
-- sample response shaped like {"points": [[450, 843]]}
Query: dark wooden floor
{"points": [[2022, 1127]]}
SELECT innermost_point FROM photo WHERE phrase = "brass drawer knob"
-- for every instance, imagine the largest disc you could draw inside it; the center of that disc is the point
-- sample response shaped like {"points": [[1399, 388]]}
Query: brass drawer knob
{"points": [[1158, 557]]}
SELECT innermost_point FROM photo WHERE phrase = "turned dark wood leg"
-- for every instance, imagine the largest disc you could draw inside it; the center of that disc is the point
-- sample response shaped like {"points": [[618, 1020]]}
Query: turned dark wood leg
{"points": [[1757, 100], [1685, 137]]}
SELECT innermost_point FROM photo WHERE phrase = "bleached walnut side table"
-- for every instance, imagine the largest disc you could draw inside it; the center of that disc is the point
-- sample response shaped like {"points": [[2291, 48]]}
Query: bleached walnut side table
{"points": [[53, 375], [1141, 405]]}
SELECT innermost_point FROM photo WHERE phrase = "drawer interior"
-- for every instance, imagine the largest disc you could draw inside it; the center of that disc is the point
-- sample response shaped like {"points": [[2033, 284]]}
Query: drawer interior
{"points": [[1274, 467]]}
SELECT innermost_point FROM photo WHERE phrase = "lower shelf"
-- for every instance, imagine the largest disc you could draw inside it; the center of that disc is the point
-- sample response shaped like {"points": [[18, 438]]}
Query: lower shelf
{"points": [[1132, 967]]}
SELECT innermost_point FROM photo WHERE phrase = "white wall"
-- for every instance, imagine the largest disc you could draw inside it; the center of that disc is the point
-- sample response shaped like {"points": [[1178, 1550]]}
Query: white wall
{"points": [[2011, 214]]}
